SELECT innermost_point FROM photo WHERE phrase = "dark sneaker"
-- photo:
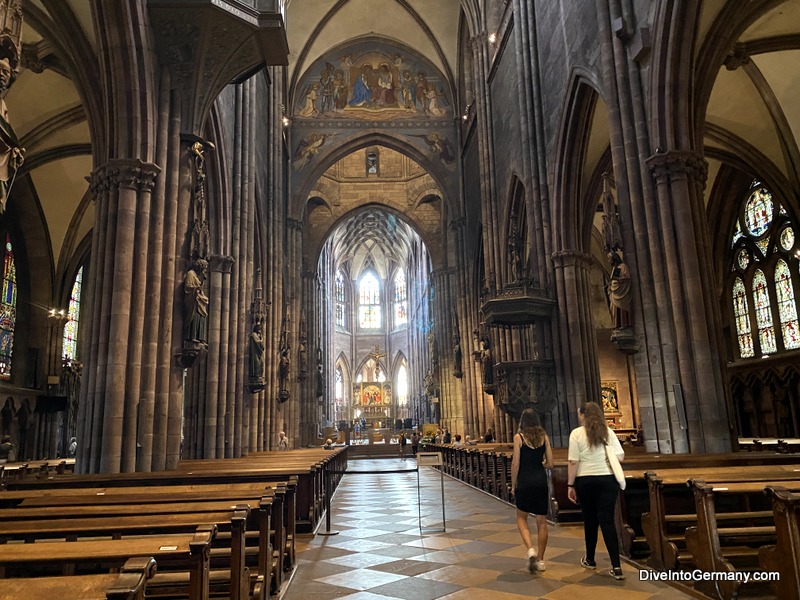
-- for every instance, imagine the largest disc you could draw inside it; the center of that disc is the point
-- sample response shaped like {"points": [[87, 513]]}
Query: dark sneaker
{"points": [[588, 564], [616, 573]]}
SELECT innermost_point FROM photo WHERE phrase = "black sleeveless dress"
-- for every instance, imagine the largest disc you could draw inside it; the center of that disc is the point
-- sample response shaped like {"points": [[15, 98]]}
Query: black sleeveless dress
{"points": [[531, 495]]}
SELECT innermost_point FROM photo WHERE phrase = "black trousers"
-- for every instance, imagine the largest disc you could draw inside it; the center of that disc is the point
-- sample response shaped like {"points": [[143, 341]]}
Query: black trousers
{"points": [[598, 495]]}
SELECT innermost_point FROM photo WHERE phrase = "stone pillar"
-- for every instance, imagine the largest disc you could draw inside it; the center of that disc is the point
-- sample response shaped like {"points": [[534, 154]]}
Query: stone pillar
{"points": [[578, 363], [679, 177], [121, 188]]}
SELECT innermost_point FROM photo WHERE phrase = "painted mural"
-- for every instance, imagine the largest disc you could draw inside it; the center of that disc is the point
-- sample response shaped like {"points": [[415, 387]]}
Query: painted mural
{"points": [[372, 82]]}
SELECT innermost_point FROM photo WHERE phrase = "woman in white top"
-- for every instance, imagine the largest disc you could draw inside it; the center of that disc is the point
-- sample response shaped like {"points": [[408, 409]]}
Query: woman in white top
{"points": [[591, 482]]}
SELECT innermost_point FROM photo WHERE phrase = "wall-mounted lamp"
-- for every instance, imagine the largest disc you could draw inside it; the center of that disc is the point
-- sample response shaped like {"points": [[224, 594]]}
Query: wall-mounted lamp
{"points": [[286, 121], [492, 38], [55, 313]]}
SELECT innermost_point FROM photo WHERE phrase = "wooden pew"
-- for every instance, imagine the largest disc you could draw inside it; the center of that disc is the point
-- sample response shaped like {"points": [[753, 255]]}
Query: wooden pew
{"points": [[185, 552], [672, 506], [234, 576], [733, 547], [784, 557], [269, 506], [129, 584]]}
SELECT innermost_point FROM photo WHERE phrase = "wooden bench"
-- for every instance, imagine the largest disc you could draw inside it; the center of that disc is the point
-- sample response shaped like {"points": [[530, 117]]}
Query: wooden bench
{"points": [[129, 584], [269, 556], [672, 506], [731, 527], [229, 576], [185, 552], [784, 557]]}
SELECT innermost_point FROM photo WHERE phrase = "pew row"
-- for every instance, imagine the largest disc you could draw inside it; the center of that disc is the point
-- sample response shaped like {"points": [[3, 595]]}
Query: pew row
{"points": [[784, 556], [129, 584], [184, 552]]}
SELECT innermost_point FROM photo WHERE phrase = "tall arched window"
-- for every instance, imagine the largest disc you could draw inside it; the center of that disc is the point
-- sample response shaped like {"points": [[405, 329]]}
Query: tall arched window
{"points": [[338, 394], [786, 305], [402, 385], [369, 298], [742, 317], [400, 317], [71, 326], [340, 300], [8, 310], [763, 275]]}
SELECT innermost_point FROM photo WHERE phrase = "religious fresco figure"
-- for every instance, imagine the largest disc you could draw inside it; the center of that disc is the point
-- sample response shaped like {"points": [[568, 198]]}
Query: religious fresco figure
{"points": [[339, 90], [432, 107], [386, 96], [310, 107], [361, 91], [326, 89], [408, 91], [420, 88]]}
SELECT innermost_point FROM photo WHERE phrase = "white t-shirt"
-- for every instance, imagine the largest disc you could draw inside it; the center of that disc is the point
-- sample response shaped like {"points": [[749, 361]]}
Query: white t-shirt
{"points": [[592, 461]]}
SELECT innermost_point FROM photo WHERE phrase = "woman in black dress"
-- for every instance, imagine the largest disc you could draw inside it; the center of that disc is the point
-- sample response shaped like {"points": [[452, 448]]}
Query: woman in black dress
{"points": [[532, 455]]}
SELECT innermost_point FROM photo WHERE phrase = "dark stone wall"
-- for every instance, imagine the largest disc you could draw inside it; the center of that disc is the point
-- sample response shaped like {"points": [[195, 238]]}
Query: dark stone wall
{"points": [[472, 194], [504, 90], [567, 36]]}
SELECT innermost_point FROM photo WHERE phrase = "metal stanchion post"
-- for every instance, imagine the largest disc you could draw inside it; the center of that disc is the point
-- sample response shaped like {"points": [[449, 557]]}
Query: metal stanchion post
{"points": [[327, 477]]}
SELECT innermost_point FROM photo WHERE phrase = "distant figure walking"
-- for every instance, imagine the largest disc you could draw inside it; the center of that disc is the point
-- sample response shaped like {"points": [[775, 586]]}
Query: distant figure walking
{"points": [[402, 443], [73, 447], [6, 449], [532, 455]]}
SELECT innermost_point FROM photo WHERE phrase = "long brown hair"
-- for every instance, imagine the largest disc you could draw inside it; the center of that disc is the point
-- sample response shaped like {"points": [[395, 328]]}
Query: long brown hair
{"points": [[594, 422], [531, 428]]}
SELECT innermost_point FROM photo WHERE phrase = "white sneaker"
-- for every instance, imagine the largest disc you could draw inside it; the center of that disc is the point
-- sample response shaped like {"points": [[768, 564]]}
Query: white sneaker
{"points": [[540, 565]]}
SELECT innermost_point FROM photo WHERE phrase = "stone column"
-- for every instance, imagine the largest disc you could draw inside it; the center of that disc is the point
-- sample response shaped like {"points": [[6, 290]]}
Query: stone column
{"points": [[679, 178], [578, 362]]}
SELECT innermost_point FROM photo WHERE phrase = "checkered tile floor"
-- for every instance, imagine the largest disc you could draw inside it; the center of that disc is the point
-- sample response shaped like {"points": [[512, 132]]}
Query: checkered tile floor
{"points": [[381, 554]]}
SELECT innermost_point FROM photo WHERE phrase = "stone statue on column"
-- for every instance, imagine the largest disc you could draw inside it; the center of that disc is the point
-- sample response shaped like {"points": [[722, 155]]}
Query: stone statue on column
{"points": [[619, 291], [11, 153], [284, 361], [457, 353], [320, 387], [302, 350], [486, 359], [514, 252], [256, 344], [432, 350], [195, 303]]}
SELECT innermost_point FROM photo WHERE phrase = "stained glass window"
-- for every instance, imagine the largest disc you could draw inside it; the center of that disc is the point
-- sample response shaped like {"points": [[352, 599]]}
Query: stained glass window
{"points": [[743, 258], [742, 317], [369, 297], [766, 331], [763, 245], [71, 326], [758, 212], [784, 290], [737, 235], [340, 300], [400, 298], [787, 239], [8, 310]]}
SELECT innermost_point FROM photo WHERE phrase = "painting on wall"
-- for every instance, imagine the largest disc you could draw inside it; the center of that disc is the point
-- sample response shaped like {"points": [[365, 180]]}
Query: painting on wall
{"points": [[610, 397], [372, 81]]}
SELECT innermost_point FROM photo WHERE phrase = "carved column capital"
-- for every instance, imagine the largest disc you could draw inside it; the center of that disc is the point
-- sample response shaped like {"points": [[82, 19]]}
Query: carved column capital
{"points": [[132, 173], [294, 224], [677, 164], [221, 264], [458, 223], [571, 258]]}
